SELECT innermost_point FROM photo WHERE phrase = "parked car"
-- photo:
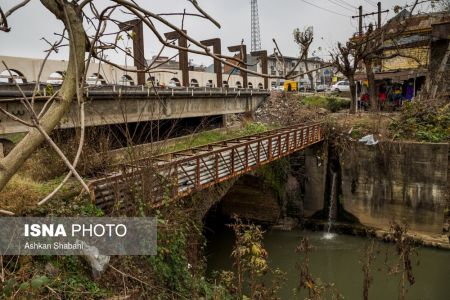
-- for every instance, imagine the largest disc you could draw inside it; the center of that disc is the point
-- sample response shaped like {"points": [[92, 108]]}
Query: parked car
{"points": [[321, 88], [341, 86]]}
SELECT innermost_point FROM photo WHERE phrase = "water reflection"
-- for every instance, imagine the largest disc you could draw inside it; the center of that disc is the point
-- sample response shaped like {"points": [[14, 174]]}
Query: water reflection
{"points": [[337, 260]]}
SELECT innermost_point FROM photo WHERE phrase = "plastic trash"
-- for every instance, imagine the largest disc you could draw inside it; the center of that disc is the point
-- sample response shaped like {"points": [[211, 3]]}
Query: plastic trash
{"points": [[368, 140], [97, 261]]}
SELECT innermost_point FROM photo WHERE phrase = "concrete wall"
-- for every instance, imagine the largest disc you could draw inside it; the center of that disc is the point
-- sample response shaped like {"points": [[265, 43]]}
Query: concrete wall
{"points": [[397, 181], [315, 172], [384, 182]]}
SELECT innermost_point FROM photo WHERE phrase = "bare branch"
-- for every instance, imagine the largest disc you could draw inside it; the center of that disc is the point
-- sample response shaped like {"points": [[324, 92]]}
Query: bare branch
{"points": [[194, 2]]}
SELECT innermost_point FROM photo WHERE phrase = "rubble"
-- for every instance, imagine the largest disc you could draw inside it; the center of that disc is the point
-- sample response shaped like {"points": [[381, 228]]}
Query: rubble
{"points": [[282, 109]]}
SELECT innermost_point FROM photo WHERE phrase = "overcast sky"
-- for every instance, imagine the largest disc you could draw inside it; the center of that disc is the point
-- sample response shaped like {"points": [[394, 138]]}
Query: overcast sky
{"points": [[330, 18]]}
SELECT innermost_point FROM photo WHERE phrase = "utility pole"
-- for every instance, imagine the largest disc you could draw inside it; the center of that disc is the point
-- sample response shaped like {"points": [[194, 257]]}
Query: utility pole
{"points": [[360, 16], [379, 15], [360, 20]]}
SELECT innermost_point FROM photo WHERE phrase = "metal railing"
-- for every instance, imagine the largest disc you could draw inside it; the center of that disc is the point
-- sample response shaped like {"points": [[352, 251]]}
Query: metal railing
{"points": [[140, 91], [181, 173]]}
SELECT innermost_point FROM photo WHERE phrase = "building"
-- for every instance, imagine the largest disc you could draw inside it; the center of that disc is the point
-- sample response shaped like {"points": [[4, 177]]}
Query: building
{"points": [[412, 54], [278, 67]]}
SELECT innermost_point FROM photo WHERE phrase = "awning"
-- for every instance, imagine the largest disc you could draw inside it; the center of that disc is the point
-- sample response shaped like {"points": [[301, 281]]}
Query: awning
{"points": [[394, 75]]}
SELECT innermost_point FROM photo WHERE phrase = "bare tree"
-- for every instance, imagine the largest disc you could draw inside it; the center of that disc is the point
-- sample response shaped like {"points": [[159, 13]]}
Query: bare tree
{"points": [[345, 60], [92, 31], [304, 40]]}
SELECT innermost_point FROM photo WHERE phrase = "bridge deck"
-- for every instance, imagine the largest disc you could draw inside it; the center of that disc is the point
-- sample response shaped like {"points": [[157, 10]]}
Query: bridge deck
{"points": [[179, 174], [107, 105]]}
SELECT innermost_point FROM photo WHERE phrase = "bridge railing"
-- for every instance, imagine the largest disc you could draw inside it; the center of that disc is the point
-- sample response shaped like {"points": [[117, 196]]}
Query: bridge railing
{"points": [[10, 90], [181, 173]]}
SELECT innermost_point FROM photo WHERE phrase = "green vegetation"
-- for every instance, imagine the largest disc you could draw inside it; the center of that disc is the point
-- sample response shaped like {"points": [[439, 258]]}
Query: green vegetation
{"points": [[251, 266], [275, 174], [330, 103], [423, 121], [207, 137], [14, 137]]}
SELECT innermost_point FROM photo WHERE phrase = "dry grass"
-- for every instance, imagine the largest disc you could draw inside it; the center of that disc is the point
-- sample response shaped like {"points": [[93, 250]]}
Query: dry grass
{"points": [[20, 193], [359, 125]]}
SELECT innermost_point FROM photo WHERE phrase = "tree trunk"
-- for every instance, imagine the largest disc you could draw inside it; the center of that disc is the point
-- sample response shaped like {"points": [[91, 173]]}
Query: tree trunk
{"points": [[77, 41], [354, 101], [372, 88], [310, 77]]}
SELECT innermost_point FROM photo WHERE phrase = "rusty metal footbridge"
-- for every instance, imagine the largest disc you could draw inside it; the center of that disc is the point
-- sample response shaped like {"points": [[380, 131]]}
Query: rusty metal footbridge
{"points": [[179, 174]]}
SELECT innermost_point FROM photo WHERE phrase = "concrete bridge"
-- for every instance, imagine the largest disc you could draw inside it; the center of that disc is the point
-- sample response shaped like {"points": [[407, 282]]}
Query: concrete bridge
{"points": [[113, 104], [179, 174]]}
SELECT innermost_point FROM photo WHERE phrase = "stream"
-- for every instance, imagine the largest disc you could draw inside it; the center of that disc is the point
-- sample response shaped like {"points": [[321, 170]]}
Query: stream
{"points": [[336, 260]]}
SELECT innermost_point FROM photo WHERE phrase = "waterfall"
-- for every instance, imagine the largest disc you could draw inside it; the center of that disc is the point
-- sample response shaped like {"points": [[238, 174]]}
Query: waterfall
{"points": [[328, 235]]}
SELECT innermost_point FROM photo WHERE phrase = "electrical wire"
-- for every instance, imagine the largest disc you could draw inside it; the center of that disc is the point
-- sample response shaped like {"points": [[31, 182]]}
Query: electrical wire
{"points": [[331, 1], [346, 3], [371, 3], [325, 9]]}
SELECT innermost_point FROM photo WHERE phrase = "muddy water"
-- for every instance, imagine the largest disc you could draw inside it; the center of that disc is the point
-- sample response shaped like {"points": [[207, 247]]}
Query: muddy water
{"points": [[337, 260]]}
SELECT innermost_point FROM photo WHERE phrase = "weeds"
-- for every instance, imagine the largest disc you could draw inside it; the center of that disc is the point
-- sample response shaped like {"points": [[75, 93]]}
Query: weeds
{"points": [[251, 265], [425, 121], [331, 103], [404, 248]]}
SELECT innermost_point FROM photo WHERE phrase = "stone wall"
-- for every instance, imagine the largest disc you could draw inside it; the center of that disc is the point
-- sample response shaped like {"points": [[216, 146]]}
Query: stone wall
{"points": [[251, 198]]}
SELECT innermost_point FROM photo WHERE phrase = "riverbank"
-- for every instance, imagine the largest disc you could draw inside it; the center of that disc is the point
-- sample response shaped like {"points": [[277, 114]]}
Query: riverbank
{"points": [[419, 238]]}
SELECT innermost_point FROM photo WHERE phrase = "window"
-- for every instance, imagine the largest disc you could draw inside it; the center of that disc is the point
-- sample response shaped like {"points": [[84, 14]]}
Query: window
{"points": [[194, 83], [55, 78], [126, 80]]}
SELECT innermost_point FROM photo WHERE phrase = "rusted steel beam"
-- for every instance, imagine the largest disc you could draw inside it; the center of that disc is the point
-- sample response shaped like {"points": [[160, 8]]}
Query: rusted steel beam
{"points": [[242, 49], [262, 54], [182, 56], [217, 49], [137, 28]]}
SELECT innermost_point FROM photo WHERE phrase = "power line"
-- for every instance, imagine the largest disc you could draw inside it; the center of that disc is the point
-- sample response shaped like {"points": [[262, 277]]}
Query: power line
{"points": [[371, 3], [348, 4], [325, 9], [337, 3]]}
